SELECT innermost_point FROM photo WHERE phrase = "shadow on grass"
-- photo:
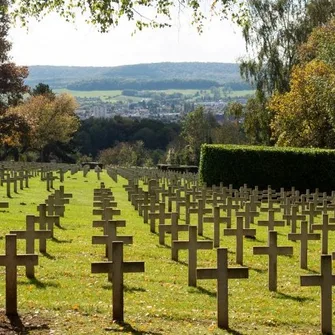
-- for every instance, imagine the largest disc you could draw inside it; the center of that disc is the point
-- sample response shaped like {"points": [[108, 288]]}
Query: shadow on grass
{"points": [[182, 263], [47, 255], [234, 332], [201, 290], [128, 328], [280, 295], [39, 284], [165, 246], [19, 328], [258, 270], [125, 288], [61, 227], [55, 239]]}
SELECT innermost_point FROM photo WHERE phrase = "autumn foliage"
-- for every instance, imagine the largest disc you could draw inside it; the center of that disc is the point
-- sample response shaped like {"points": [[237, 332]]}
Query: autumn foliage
{"points": [[304, 116]]}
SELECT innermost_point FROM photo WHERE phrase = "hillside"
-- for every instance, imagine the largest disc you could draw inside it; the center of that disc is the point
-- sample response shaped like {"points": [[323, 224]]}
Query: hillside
{"points": [[190, 75]]}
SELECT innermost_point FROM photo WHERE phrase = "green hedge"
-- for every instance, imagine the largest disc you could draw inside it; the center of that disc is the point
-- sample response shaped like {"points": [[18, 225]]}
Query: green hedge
{"points": [[263, 166]]}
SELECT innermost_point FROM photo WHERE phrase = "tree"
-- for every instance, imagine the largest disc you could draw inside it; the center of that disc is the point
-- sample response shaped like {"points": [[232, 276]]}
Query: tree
{"points": [[12, 89], [273, 34], [106, 14], [50, 121], [43, 89], [305, 116], [197, 128]]}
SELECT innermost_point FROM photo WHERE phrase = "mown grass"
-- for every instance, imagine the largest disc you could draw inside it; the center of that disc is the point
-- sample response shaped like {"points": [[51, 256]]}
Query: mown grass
{"points": [[159, 300]]}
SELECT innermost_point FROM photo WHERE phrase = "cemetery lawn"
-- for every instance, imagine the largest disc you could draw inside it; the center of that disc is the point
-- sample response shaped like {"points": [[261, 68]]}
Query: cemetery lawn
{"points": [[65, 298]]}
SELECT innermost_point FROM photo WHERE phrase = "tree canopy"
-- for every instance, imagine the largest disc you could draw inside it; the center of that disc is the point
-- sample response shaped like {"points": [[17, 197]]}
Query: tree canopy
{"points": [[105, 14], [305, 116]]}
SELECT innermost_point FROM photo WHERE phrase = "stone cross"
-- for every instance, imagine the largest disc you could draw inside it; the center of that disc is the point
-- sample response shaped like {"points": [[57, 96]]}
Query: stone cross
{"points": [[325, 227], [271, 222], [30, 235], [192, 245], [106, 213], [228, 207], [11, 261], [248, 214], [117, 268], [325, 280], [239, 232], [110, 235], [161, 216], [222, 273], [201, 210], [45, 220], [172, 228], [273, 250], [63, 194], [312, 213], [217, 220], [304, 237], [53, 208], [4, 205], [293, 218]]}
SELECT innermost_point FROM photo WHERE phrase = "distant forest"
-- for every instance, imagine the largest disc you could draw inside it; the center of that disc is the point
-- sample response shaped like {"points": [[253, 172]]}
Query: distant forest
{"points": [[154, 76]]}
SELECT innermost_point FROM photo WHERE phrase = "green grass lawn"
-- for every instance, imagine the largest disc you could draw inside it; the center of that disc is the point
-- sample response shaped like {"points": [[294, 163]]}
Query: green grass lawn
{"points": [[74, 301]]}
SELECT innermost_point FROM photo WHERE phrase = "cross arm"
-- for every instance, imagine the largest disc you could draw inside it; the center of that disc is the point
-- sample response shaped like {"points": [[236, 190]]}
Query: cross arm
{"points": [[133, 267], [242, 272], [207, 273]]}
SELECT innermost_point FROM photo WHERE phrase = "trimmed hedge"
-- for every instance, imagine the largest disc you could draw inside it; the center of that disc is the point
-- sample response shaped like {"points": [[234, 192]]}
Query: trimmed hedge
{"points": [[263, 166]]}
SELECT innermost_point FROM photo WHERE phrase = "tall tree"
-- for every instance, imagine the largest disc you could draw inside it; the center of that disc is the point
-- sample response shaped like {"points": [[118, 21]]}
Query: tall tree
{"points": [[51, 121], [12, 89], [305, 116], [197, 129], [273, 35]]}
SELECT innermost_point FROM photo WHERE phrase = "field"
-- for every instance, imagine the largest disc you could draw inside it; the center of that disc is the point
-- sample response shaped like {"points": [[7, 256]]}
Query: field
{"points": [[65, 298], [114, 96]]}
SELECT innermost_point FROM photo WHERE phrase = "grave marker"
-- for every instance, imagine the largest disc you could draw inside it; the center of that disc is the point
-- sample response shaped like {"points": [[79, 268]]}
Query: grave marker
{"points": [[239, 232], [304, 237], [11, 260], [192, 245], [273, 251], [222, 273], [325, 280], [30, 235], [117, 268]]}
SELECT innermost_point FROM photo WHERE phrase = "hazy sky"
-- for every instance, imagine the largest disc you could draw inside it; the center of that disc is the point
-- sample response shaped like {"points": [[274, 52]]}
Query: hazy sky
{"points": [[56, 42]]}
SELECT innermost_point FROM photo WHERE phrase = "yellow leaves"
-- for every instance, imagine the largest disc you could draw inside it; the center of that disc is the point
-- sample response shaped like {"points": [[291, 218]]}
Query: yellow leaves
{"points": [[49, 120], [302, 116]]}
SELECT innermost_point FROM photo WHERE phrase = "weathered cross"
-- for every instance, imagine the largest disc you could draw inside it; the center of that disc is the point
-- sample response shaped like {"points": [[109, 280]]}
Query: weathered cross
{"points": [[43, 219], [273, 251], [172, 228], [192, 245], [239, 232], [222, 273], [271, 222], [326, 280], [304, 237], [293, 218], [117, 268], [30, 235], [11, 261], [217, 220], [325, 227], [110, 235], [201, 210]]}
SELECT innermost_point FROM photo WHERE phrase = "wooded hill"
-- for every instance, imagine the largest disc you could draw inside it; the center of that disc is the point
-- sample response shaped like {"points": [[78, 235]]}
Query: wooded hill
{"points": [[153, 76]]}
